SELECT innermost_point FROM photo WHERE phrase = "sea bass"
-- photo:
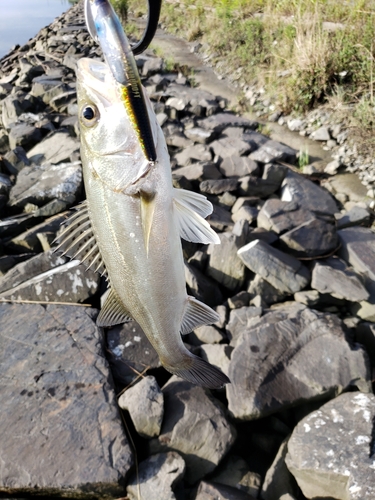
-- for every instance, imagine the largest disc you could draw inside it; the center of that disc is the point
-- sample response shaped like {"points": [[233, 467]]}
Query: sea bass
{"points": [[130, 227]]}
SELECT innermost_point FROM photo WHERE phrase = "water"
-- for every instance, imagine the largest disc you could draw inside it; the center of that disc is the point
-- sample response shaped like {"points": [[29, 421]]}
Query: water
{"points": [[20, 20]]}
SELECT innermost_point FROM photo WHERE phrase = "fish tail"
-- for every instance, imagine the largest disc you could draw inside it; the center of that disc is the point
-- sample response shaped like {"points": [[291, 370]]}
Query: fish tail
{"points": [[199, 372]]}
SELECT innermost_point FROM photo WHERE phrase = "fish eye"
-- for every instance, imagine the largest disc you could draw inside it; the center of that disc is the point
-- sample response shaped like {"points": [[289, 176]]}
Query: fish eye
{"points": [[89, 115]]}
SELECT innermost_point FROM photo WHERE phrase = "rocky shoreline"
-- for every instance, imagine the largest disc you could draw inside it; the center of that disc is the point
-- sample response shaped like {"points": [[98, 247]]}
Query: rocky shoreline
{"points": [[293, 282]]}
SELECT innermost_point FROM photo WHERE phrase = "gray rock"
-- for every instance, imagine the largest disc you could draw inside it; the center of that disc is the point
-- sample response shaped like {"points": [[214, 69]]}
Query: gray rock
{"points": [[209, 334], [238, 166], [49, 278], [235, 472], [307, 297], [62, 399], [130, 352], [358, 248], [247, 213], [284, 272], [40, 184], [56, 148], [215, 491], [333, 276], [272, 150], [217, 355], [47, 88], [279, 481], [280, 216], [254, 186], [156, 477], [15, 160], [241, 299], [286, 345], [198, 171], [219, 186], [227, 199], [198, 134], [365, 335], [4, 141], [259, 233], [321, 134], [332, 167], [349, 184], [356, 216], [24, 135], [331, 450], [240, 321], [224, 265], [195, 426], [313, 238], [270, 294], [220, 121], [202, 287], [198, 152], [229, 146], [145, 404], [11, 108], [274, 172], [307, 194], [152, 65]]}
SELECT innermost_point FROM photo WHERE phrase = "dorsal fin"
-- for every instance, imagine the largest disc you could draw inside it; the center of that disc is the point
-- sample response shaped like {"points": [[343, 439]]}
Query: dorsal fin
{"points": [[191, 224], [77, 240], [113, 312], [197, 314]]}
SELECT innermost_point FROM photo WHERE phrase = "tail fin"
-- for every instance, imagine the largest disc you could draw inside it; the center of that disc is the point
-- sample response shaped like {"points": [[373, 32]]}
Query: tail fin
{"points": [[199, 372]]}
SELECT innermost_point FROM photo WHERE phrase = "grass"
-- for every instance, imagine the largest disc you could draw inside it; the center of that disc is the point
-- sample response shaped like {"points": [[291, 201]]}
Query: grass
{"points": [[285, 46]]}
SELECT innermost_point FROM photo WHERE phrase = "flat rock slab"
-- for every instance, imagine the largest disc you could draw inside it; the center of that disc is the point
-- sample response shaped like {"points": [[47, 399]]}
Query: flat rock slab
{"points": [[195, 426], [60, 425], [286, 346], [54, 149], [215, 491], [280, 216], [273, 150], [331, 451], [358, 248], [308, 195]]}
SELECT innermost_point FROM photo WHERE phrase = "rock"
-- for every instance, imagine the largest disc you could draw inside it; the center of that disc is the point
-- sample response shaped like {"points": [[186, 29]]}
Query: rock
{"points": [[238, 166], [218, 186], [358, 249], [321, 134], [312, 238], [198, 171], [49, 278], [365, 335], [130, 352], [283, 271], [215, 491], [202, 287], [195, 426], [198, 152], [333, 276], [356, 216], [279, 481], [245, 213], [145, 404], [227, 200], [11, 108], [217, 355], [221, 218], [40, 184], [307, 297], [272, 150], [307, 194], [332, 167], [15, 160], [331, 450], [274, 172], [281, 216], [220, 121], [270, 294], [229, 146], [254, 186], [56, 148], [235, 472], [349, 184], [241, 299], [240, 320], [198, 134], [156, 477], [365, 309], [261, 234], [224, 265], [286, 346], [4, 141], [209, 334], [62, 399], [24, 135]]}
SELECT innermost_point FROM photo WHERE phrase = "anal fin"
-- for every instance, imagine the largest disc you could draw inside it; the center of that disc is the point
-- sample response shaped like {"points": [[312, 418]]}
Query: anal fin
{"points": [[197, 314], [113, 312]]}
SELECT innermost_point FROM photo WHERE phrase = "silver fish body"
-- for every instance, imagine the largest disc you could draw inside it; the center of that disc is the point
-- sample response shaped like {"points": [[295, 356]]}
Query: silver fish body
{"points": [[130, 228]]}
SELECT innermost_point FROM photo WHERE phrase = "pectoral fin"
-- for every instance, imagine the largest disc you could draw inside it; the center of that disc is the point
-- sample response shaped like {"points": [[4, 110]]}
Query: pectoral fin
{"points": [[77, 240], [189, 212], [197, 314], [147, 215], [113, 312]]}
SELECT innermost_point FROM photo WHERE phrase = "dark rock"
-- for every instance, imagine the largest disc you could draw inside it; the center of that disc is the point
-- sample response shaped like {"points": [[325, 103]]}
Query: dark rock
{"points": [[348, 184], [145, 404], [219, 186], [307, 194], [194, 425], [198, 171], [260, 287], [254, 186], [358, 248], [286, 346], [56, 148], [247, 213], [198, 152], [41, 184], [331, 450], [224, 265], [198, 134], [15, 160], [24, 135], [4, 141], [62, 399], [333, 276], [313, 238], [220, 218], [238, 166], [47, 88], [156, 477], [272, 150], [356, 216], [235, 472], [365, 335], [229, 146], [202, 287], [280, 216], [217, 355], [259, 233], [241, 299], [130, 352], [215, 491], [308, 297], [240, 320], [220, 121], [11, 108], [9, 261], [283, 271], [274, 172]]}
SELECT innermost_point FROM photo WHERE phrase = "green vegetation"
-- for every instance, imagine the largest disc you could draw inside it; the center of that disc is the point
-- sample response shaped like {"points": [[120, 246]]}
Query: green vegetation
{"points": [[305, 52], [121, 7]]}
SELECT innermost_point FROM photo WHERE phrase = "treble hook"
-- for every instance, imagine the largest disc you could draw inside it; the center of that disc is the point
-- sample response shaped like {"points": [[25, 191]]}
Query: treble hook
{"points": [[154, 7]]}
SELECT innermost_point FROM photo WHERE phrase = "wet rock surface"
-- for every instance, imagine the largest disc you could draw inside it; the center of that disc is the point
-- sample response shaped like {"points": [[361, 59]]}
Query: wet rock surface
{"points": [[293, 282]]}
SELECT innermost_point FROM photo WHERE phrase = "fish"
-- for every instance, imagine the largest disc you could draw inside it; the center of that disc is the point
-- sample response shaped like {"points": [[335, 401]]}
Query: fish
{"points": [[129, 229]]}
